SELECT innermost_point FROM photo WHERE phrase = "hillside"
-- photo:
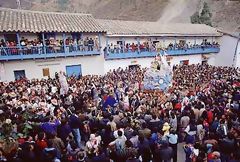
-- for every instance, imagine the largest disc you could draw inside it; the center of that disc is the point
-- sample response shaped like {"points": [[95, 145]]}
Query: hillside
{"points": [[226, 13]]}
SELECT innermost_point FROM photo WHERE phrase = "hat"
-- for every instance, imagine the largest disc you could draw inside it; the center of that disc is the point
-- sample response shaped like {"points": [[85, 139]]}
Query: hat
{"points": [[8, 121], [12, 94]]}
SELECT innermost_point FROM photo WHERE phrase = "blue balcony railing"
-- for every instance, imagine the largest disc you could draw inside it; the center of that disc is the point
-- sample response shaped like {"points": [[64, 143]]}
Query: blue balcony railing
{"points": [[37, 52], [171, 52]]}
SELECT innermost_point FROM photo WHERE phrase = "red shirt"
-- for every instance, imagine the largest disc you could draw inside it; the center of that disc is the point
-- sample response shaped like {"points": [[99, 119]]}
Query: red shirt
{"points": [[41, 144], [210, 116], [178, 106]]}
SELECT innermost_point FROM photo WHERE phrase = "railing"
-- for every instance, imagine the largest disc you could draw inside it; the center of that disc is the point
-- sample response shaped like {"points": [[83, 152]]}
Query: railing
{"points": [[32, 52], [152, 53]]}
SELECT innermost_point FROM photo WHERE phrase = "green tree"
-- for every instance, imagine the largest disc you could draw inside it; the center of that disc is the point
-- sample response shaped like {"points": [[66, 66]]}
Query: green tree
{"points": [[195, 18], [204, 17]]}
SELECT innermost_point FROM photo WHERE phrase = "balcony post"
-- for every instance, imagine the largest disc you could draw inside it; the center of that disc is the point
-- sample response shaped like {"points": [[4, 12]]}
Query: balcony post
{"points": [[175, 42], [107, 45], [64, 42], [123, 44], [99, 42], [186, 41], [44, 44], [138, 41], [18, 39], [19, 43], [195, 41], [164, 47]]}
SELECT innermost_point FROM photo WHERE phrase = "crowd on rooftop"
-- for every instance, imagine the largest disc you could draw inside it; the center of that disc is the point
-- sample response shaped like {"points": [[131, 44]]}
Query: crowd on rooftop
{"points": [[52, 45], [110, 117], [152, 47]]}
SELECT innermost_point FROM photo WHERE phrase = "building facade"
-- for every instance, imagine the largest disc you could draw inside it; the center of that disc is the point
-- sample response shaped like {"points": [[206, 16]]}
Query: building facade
{"points": [[39, 44], [230, 50]]}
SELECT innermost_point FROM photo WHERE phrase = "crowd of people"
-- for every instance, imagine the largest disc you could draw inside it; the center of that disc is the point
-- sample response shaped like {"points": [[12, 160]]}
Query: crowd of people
{"points": [[150, 46], [52, 45], [110, 117]]}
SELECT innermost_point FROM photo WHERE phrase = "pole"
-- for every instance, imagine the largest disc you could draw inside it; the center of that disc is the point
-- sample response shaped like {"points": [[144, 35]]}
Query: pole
{"points": [[44, 43], [19, 44], [99, 41], [64, 42]]}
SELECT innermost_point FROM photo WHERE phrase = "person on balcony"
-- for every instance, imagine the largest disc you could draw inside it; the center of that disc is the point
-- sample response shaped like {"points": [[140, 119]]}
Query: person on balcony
{"points": [[67, 45], [57, 47], [111, 48], [71, 45], [86, 43], [141, 47], [96, 43], [90, 44], [75, 45], [127, 47], [81, 45], [133, 47]]}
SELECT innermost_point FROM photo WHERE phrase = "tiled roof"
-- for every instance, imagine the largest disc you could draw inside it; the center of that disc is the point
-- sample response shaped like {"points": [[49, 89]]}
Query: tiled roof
{"points": [[35, 21], [120, 27]]}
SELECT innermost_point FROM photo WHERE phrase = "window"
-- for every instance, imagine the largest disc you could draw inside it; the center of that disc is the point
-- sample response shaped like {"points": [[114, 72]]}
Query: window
{"points": [[46, 72], [204, 62]]}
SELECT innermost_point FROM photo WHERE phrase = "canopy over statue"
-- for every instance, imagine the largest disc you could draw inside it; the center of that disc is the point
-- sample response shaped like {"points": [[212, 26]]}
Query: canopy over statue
{"points": [[159, 75]]}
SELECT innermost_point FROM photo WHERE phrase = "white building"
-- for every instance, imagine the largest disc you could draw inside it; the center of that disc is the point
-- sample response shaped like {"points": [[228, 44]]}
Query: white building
{"points": [[120, 33], [39, 44]]}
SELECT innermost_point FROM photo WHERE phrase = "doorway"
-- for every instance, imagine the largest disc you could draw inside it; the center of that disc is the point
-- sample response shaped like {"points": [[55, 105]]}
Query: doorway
{"points": [[184, 62], [74, 70], [19, 74], [134, 67]]}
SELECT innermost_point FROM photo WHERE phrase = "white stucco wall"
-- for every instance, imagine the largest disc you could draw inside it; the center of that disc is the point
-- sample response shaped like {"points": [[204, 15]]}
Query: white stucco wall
{"points": [[33, 68], [237, 62], [146, 62], [227, 51]]}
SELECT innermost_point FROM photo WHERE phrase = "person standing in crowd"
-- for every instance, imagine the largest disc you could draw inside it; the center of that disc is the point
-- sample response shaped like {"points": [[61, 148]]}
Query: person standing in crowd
{"points": [[75, 124]]}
